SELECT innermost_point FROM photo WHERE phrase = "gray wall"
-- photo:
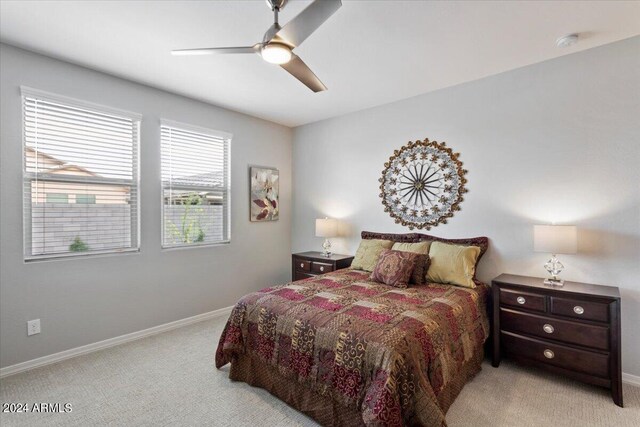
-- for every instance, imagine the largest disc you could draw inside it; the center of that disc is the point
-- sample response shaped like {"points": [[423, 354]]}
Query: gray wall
{"points": [[556, 141], [81, 301]]}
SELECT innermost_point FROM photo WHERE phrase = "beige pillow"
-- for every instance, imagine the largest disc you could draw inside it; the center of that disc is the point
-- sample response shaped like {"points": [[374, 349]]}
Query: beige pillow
{"points": [[368, 253], [453, 264], [422, 264], [416, 248]]}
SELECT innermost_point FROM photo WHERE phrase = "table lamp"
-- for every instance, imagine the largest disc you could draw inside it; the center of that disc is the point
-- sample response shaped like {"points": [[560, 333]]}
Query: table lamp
{"points": [[326, 228], [555, 239]]}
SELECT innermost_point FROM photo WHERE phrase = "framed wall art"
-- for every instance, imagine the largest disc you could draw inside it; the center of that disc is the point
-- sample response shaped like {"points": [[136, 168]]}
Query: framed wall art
{"points": [[422, 184], [264, 193]]}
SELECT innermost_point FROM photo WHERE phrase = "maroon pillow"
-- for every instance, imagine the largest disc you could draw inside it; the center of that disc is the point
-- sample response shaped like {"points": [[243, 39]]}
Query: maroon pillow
{"points": [[394, 268]]}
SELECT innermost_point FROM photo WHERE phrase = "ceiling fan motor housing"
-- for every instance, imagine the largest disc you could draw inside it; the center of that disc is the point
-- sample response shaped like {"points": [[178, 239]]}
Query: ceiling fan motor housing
{"points": [[276, 4]]}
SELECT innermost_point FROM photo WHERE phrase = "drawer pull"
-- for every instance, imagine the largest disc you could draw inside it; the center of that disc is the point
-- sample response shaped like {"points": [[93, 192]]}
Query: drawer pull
{"points": [[521, 300], [578, 310], [301, 265], [549, 354], [548, 328], [321, 268]]}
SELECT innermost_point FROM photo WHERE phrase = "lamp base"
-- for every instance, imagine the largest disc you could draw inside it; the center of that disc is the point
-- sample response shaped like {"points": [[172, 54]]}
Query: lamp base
{"points": [[554, 281], [326, 246], [554, 267]]}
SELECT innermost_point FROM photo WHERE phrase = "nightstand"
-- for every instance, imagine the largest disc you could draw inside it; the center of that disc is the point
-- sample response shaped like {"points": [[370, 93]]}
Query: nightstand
{"points": [[309, 264], [573, 330]]}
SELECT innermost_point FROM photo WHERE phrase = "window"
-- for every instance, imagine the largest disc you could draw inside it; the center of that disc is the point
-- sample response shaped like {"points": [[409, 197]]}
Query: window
{"points": [[80, 177], [195, 185], [57, 198], [87, 199]]}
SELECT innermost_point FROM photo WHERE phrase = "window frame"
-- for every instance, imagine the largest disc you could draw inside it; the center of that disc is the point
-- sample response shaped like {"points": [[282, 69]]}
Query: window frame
{"points": [[136, 118], [228, 138]]}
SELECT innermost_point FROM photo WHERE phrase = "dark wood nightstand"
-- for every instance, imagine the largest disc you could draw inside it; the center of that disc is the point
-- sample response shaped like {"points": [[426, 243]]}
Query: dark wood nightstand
{"points": [[309, 264], [573, 330]]}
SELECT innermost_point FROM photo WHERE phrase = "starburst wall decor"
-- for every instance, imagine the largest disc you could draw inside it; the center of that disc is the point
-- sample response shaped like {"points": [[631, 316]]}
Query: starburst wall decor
{"points": [[422, 184]]}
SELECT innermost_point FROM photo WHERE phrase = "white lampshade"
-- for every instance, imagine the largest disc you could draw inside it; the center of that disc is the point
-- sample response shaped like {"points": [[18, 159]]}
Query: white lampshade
{"points": [[555, 239], [326, 227]]}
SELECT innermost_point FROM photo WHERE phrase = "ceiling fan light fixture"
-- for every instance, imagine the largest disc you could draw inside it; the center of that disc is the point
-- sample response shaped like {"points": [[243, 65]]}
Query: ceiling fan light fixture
{"points": [[568, 40], [276, 53]]}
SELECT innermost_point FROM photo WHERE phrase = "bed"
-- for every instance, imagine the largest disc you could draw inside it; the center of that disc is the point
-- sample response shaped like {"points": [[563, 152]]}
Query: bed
{"points": [[349, 351]]}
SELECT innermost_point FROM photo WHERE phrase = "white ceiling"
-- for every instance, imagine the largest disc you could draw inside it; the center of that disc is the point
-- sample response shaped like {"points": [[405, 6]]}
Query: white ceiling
{"points": [[368, 53]]}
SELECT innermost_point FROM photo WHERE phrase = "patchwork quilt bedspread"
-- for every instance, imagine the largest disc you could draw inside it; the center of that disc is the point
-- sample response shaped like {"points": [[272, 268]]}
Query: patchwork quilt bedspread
{"points": [[397, 356]]}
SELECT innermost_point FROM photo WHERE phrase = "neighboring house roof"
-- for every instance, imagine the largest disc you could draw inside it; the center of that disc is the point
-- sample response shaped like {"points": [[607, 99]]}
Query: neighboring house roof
{"points": [[61, 165], [72, 168], [41, 154], [211, 178], [215, 179]]}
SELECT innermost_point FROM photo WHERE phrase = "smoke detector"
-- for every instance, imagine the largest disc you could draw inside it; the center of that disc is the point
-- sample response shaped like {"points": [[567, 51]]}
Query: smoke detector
{"points": [[568, 40]]}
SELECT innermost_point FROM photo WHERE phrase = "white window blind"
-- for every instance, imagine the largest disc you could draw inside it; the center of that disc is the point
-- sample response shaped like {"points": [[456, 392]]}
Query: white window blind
{"points": [[80, 177], [195, 185]]}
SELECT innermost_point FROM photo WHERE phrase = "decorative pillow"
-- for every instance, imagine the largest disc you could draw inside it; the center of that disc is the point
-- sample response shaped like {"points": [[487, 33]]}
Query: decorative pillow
{"points": [[422, 262], [453, 264], [368, 253], [417, 248], [394, 268]]}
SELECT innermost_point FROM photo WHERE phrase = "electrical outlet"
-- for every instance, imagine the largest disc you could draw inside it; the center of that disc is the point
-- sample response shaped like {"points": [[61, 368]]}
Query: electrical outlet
{"points": [[33, 327]]}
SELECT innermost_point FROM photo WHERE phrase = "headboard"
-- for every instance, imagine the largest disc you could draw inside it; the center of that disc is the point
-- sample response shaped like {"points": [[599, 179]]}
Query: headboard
{"points": [[481, 242]]}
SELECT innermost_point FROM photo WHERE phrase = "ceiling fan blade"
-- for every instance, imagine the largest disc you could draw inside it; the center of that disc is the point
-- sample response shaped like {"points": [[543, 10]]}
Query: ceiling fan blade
{"points": [[298, 69], [217, 50], [307, 21]]}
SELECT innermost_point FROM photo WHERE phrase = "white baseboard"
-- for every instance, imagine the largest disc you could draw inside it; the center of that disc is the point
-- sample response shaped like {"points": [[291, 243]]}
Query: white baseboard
{"points": [[631, 379], [111, 342]]}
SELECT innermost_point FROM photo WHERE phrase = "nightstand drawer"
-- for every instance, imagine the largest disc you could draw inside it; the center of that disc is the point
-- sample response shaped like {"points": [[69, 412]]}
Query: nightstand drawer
{"points": [[557, 355], [303, 265], [559, 330], [321, 268], [580, 309], [525, 300]]}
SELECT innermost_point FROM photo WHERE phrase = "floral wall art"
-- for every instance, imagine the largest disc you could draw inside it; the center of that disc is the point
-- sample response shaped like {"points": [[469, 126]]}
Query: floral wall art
{"points": [[265, 186]]}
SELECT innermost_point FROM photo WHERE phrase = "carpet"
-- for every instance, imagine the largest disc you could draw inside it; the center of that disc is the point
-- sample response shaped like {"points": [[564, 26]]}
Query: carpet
{"points": [[170, 379]]}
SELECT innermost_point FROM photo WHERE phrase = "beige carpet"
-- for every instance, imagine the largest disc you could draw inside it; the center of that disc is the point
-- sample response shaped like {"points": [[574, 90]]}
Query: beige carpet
{"points": [[169, 379]]}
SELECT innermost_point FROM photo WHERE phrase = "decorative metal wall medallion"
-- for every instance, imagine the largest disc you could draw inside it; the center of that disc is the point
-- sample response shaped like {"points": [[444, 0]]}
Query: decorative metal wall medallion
{"points": [[422, 184]]}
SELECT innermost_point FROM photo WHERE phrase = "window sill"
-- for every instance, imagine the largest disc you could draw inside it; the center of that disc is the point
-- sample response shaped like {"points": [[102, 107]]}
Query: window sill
{"points": [[196, 246], [96, 254]]}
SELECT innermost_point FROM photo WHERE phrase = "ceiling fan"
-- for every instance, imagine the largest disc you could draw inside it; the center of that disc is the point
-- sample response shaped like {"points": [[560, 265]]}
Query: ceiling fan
{"points": [[278, 42]]}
